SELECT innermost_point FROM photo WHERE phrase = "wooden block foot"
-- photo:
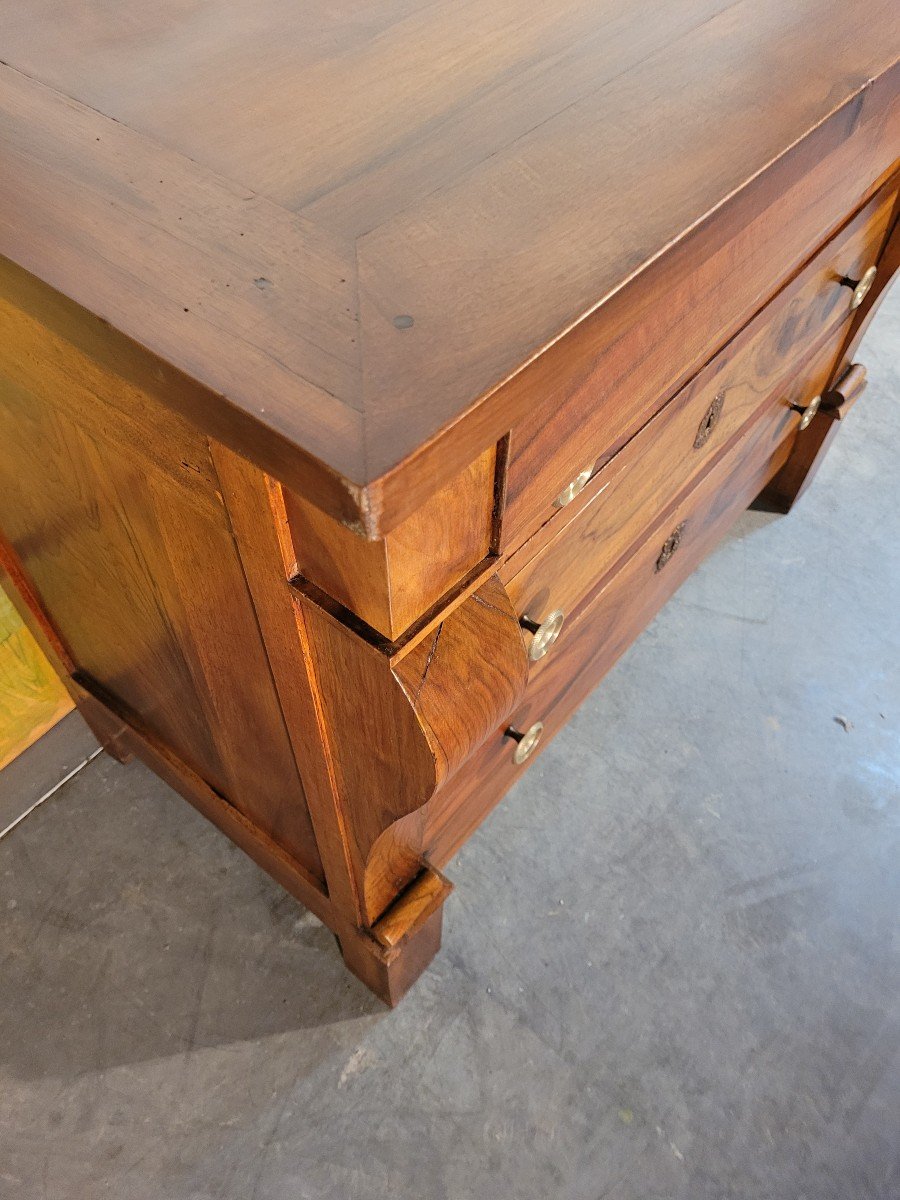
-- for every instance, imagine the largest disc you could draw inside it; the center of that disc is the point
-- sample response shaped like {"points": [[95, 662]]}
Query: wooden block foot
{"points": [[768, 501], [109, 731], [812, 444], [391, 971]]}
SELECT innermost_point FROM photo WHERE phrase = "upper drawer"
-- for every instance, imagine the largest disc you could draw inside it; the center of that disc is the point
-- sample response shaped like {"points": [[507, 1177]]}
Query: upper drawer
{"points": [[654, 469], [670, 336]]}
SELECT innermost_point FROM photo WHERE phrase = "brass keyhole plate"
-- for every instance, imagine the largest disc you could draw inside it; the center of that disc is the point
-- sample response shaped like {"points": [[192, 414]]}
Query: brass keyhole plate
{"points": [[671, 544], [710, 421]]}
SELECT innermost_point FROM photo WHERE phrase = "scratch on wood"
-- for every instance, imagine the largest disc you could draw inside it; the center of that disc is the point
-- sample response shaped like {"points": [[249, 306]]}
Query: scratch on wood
{"points": [[502, 611], [428, 661]]}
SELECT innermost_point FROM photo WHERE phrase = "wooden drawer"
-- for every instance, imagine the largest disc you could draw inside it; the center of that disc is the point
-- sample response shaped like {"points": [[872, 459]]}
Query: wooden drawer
{"points": [[569, 569], [615, 615], [651, 356]]}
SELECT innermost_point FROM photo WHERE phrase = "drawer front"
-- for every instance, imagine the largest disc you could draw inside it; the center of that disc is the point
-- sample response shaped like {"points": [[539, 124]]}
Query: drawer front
{"points": [[605, 628], [569, 570], [656, 349]]}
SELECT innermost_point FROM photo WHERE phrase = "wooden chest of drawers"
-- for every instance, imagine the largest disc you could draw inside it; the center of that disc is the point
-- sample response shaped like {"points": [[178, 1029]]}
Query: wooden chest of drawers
{"points": [[371, 375]]}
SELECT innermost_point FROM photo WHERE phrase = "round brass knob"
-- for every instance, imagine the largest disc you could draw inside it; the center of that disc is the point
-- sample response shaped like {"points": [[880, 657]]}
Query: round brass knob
{"points": [[808, 412], [578, 484], [526, 743], [860, 287], [544, 632]]}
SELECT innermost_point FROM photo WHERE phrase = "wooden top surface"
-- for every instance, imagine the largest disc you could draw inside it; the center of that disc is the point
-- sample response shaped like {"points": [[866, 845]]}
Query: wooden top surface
{"points": [[265, 192]]}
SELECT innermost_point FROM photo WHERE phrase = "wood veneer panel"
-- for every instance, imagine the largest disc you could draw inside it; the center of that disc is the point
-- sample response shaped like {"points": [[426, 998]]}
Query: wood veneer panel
{"points": [[669, 315], [249, 311], [135, 567], [634, 373], [395, 730], [255, 506], [224, 84], [570, 569], [555, 568], [392, 581], [502, 262]]}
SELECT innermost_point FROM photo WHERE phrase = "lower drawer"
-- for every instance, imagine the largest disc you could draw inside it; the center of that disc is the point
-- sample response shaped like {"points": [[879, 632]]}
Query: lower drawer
{"points": [[631, 597]]}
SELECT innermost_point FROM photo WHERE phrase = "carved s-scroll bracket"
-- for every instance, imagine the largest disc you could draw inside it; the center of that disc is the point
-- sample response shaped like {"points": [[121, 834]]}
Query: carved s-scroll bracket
{"points": [[466, 676], [397, 728]]}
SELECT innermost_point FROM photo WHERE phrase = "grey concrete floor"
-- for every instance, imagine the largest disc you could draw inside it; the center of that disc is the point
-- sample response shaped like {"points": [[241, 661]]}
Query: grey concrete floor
{"points": [[670, 969]]}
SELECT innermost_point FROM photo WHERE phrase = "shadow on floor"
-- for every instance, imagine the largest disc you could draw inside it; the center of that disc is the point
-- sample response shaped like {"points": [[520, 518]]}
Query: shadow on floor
{"points": [[117, 957]]}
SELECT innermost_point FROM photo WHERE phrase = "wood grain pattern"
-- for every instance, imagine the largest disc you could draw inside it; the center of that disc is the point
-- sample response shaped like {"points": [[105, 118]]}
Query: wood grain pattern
{"points": [[385, 582], [236, 299], [256, 510], [641, 479], [136, 566], [704, 294], [566, 228], [395, 733], [107, 729], [577, 563], [557, 569], [359, 308], [388, 958], [413, 908], [475, 76]]}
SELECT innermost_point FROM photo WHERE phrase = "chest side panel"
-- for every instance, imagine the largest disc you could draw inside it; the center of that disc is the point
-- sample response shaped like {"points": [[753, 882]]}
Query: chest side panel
{"points": [[111, 503]]}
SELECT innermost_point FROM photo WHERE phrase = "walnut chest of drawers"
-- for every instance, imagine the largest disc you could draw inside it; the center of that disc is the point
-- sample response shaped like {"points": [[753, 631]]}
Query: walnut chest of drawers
{"points": [[372, 373]]}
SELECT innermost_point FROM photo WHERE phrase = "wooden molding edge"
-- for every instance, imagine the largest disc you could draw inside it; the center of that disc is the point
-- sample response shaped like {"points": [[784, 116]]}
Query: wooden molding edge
{"points": [[266, 853], [412, 908]]}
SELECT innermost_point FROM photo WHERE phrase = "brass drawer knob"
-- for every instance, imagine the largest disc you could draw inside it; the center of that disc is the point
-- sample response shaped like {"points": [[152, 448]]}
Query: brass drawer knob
{"points": [[861, 287], [808, 412], [526, 743], [544, 633], [578, 484]]}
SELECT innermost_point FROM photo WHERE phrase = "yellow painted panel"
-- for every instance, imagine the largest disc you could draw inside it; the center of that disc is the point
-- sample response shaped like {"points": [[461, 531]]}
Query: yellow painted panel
{"points": [[32, 699]]}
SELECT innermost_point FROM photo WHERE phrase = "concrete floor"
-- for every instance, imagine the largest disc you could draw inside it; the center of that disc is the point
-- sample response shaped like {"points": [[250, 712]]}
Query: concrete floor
{"points": [[670, 970]]}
